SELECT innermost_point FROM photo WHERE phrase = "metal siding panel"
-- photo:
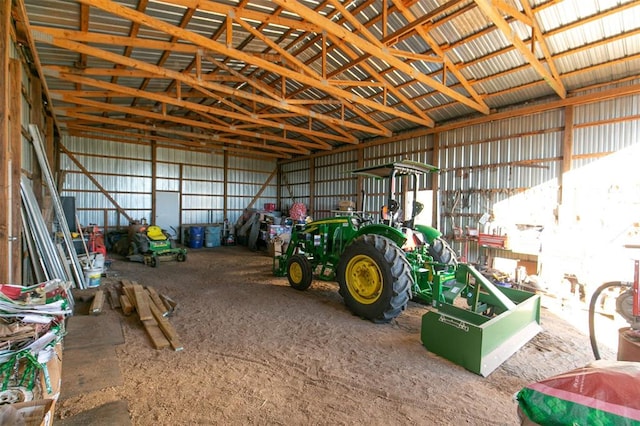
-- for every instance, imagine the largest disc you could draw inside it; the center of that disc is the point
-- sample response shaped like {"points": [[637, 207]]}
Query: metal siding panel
{"points": [[590, 137]]}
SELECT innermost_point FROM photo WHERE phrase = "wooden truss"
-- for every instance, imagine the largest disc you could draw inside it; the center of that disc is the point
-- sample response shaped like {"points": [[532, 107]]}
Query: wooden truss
{"points": [[277, 79]]}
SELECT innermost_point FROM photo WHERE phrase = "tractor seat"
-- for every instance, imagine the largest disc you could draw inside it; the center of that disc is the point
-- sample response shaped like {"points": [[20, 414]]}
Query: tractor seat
{"points": [[155, 233]]}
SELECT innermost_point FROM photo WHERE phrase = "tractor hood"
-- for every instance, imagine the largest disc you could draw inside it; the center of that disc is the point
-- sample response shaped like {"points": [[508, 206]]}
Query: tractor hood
{"points": [[405, 167]]}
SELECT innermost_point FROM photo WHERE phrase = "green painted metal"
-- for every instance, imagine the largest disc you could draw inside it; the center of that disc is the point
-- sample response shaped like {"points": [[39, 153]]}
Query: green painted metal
{"points": [[497, 321], [429, 232], [482, 339]]}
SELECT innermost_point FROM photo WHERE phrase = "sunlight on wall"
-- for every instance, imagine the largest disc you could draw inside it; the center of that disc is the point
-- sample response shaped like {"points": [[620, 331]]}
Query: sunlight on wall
{"points": [[601, 208]]}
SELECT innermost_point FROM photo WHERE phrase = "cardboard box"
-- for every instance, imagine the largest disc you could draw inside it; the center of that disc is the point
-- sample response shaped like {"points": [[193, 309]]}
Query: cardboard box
{"points": [[276, 247], [54, 370], [50, 384], [32, 413]]}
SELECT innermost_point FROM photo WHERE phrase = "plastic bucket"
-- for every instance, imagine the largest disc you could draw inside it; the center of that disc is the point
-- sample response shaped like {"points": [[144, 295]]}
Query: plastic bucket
{"points": [[212, 236], [628, 345], [98, 261], [195, 237], [92, 277]]}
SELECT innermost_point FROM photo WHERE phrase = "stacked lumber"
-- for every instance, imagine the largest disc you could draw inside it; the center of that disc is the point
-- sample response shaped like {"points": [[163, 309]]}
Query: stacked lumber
{"points": [[152, 309]]}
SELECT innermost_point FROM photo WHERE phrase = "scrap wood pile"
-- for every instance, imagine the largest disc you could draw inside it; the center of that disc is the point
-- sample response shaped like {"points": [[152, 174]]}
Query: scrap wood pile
{"points": [[31, 325], [152, 308]]}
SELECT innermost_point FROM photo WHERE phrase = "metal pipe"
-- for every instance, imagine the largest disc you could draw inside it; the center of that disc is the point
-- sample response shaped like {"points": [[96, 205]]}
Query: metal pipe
{"points": [[62, 223]]}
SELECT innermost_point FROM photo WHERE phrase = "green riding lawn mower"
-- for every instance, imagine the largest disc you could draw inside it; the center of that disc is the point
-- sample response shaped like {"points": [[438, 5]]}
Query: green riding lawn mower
{"points": [[381, 266], [151, 245]]}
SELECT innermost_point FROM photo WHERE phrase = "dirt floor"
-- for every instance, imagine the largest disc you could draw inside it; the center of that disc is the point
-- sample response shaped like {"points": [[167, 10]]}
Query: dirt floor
{"points": [[259, 352]]}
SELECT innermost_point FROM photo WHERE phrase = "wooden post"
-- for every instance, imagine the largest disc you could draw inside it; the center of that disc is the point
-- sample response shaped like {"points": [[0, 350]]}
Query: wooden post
{"points": [[52, 157], [312, 186], [15, 71], [154, 172], [359, 201], [225, 185], [435, 182], [567, 153], [105, 220], [5, 158], [279, 186]]}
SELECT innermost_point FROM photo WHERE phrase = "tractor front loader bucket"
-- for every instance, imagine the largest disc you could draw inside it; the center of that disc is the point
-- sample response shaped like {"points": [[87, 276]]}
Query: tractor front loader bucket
{"points": [[481, 340]]}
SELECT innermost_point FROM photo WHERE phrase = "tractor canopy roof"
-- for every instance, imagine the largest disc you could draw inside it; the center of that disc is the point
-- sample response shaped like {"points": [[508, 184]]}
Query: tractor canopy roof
{"points": [[404, 167]]}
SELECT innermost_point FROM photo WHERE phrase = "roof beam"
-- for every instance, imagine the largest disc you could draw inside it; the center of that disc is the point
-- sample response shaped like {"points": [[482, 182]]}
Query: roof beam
{"points": [[101, 106], [212, 138], [146, 138], [499, 21], [163, 98], [343, 34], [448, 64], [206, 43], [193, 81]]}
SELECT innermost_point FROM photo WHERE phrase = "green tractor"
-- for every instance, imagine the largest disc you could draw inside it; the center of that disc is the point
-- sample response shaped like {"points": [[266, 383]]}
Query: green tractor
{"points": [[381, 265]]}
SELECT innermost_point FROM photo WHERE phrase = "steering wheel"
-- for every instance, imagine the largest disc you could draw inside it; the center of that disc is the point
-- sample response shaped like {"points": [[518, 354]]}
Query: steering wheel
{"points": [[361, 219]]}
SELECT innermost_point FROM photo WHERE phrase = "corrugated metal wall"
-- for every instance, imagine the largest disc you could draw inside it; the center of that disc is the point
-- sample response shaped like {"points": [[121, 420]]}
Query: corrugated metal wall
{"points": [[125, 172], [509, 168], [505, 168], [333, 182], [246, 178], [295, 184]]}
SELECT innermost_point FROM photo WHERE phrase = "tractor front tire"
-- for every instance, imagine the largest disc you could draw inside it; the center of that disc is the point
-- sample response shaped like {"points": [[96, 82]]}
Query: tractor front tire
{"points": [[155, 261], [375, 278], [181, 257], [299, 272]]}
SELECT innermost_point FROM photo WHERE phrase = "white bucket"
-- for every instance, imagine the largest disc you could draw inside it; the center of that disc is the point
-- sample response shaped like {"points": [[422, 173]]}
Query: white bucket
{"points": [[92, 277], [98, 261]]}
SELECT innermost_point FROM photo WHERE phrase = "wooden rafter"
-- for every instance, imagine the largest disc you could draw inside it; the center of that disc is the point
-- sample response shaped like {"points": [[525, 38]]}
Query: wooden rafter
{"points": [[491, 12], [335, 74], [448, 64], [163, 98], [371, 48], [101, 106], [193, 141], [212, 139], [168, 73], [206, 43]]}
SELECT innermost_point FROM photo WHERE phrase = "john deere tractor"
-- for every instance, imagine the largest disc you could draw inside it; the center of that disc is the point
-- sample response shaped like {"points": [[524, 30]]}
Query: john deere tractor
{"points": [[380, 265]]}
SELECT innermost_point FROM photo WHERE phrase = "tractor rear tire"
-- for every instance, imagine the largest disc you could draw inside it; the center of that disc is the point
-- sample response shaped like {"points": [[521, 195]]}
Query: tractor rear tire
{"points": [[299, 272], [375, 278], [442, 252]]}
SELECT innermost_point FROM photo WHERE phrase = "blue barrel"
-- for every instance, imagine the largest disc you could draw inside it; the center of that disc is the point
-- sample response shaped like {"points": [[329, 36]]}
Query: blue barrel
{"points": [[195, 236], [212, 236]]}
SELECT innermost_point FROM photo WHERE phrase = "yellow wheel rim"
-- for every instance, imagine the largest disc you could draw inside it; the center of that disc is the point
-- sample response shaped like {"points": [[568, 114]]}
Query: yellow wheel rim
{"points": [[364, 279], [295, 272]]}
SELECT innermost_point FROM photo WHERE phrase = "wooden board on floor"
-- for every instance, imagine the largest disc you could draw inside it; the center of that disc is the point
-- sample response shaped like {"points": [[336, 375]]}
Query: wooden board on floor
{"points": [[111, 413], [89, 330], [98, 303], [142, 302], [89, 369], [167, 329], [158, 339]]}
